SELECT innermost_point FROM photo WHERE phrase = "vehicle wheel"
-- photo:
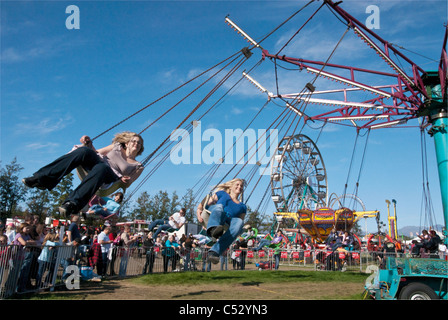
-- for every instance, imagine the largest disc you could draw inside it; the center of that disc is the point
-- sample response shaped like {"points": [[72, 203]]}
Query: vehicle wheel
{"points": [[418, 291]]}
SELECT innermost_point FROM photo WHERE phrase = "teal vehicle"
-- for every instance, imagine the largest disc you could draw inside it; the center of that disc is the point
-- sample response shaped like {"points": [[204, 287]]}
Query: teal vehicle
{"points": [[410, 279]]}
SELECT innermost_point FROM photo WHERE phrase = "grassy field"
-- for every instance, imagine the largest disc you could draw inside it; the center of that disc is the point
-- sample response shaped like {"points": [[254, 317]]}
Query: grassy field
{"points": [[235, 277], [222, 285]]}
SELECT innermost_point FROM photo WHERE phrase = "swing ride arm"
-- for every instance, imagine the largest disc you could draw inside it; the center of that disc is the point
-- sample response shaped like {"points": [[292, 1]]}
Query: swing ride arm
{"points": [[403, 107]]}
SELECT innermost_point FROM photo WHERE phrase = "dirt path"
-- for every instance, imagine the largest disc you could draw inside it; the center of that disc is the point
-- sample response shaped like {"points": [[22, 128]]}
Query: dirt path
{"points": [[128, 290]]}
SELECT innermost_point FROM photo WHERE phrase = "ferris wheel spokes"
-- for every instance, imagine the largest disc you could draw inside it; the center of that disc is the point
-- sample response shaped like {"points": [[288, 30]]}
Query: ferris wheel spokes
{"points": [[298, 176]]}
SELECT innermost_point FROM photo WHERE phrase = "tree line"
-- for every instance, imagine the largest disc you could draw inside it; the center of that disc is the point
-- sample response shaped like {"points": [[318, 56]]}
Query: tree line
{"points": [[16, 200]]}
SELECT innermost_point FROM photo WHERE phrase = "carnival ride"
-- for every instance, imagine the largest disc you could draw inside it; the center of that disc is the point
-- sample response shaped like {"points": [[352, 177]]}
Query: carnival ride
{"points": [[417, 94], [299, 189], [369, 99], [392, 219]]}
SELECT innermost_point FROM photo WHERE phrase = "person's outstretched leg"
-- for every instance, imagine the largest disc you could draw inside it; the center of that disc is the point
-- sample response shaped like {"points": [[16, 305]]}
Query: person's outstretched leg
{"points": [[98, 175], [235, 229], [216, 221], [50, 175]]}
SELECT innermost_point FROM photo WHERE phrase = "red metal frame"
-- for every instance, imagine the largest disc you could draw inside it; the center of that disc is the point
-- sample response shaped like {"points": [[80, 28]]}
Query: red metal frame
{"points": [[392, 105]]}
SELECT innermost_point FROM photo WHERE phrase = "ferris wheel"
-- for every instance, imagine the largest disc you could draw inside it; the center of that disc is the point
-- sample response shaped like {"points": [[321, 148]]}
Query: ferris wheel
{"points": [[298, 175]]}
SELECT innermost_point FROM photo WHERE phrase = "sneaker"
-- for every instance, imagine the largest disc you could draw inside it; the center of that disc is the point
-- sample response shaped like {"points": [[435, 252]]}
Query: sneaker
{"points": [[68, 208], [217, 232], [213, 257], [32, 182]]}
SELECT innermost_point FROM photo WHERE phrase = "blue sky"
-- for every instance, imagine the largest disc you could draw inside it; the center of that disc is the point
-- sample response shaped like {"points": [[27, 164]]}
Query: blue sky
{"points": [[59, 84]]}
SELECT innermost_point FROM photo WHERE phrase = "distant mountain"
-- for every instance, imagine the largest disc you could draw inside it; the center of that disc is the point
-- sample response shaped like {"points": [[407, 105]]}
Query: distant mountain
{"points": [[412, 230]]}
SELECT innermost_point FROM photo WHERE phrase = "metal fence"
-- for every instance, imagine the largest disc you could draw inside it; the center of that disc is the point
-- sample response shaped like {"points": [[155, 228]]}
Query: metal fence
{"points": [[30, 269], [26, 269]]}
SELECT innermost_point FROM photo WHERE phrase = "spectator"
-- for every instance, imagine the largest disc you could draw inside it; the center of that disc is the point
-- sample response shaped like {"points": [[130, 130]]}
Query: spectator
{"points": [[73, 229], [148, 247], [389, 250], [10, 232], [243, 248], [36, 233], [117, 243], [175, 221], [47, 259], [70, 254], [235, 256], [169, 253], [41, 231], [105, 243], [95, 257], [24, 241], [188, 246], [277, 253], [128, 240], [223, 260], [206, 264], [5, 256]]}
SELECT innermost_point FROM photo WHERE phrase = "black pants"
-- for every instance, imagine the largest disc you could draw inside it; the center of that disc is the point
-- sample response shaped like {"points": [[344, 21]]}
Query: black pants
{"points": [[150, 258], [99, 173]]}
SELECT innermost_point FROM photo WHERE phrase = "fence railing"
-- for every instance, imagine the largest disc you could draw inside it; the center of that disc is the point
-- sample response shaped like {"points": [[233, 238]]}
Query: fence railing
{"points": [[30, 269]]}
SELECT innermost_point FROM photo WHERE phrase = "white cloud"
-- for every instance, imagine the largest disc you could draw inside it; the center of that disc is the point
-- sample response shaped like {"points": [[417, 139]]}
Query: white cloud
{"points": [[44, 126], [38, 146]]}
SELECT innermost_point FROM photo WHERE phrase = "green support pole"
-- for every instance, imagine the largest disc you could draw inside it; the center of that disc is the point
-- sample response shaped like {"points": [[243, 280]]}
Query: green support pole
{"points": [[437, 110], [439, 133]]}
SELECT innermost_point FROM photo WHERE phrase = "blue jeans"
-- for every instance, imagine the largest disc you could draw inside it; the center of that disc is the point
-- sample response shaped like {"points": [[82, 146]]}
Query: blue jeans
{"points": [[163, 225], [105, 264], [25, 271], [263, 243], [124, 263], [223, 260], [44, 266], [218, 218], [277, 260], [99, 210]]}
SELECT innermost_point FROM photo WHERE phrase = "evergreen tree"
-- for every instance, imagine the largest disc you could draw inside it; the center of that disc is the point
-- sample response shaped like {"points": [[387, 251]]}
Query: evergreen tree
{"points": [[39, 203], [58, 195], [143, 208], [188, 202], [12, 190]]}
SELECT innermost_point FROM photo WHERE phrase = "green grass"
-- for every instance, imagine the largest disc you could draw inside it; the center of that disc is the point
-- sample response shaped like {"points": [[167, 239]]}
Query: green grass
{"points": [[231, 277], [245, 278]]}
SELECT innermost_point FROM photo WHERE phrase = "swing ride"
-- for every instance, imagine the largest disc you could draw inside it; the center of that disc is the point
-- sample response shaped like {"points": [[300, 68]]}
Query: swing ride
{"points": [[420, 95]]}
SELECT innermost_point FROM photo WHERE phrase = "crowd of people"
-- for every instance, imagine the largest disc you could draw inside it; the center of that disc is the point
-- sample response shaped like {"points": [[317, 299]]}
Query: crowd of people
{"points": [[28, 251], [109, 249]]}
